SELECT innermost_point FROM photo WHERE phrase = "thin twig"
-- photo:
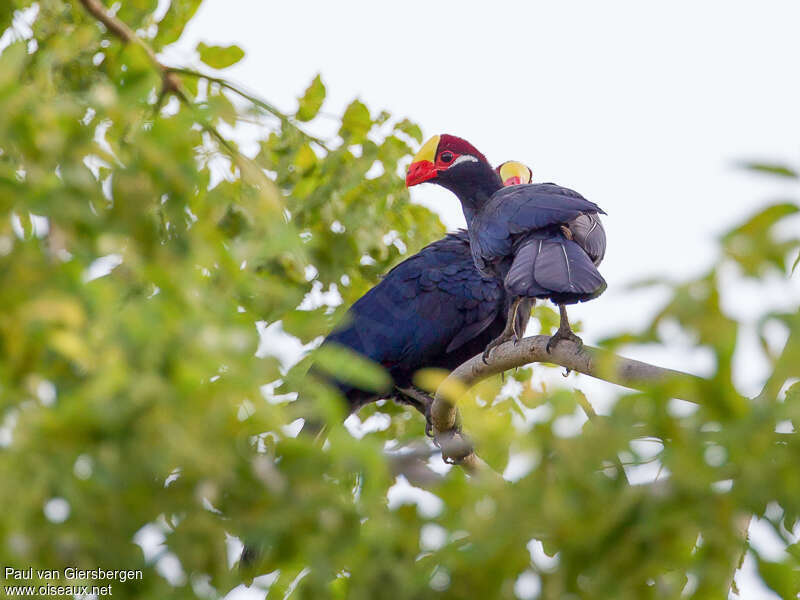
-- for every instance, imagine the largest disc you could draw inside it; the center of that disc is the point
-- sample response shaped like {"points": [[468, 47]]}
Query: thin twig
{"points": [[126, 34], [172, 84], [594, 418], [255, 100]]}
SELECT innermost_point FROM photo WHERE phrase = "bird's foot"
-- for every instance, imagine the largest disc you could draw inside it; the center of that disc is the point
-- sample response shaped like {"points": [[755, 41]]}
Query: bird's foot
{"points": [[500, 339], [563, 334], [428, 421], [420, 400], [455, 446]]}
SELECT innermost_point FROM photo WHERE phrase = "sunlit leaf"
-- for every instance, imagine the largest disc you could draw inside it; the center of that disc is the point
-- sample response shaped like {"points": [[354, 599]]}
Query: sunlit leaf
{"points": [[311, 101], [356, 122], [410, 129], [178, 15], [219, 57]]}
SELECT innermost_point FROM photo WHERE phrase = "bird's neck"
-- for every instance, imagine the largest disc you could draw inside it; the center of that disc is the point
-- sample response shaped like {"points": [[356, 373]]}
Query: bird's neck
{"points": [[474, 189]]}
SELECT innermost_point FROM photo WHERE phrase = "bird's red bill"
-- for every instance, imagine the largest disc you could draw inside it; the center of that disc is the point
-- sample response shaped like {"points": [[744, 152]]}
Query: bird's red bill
{"points": [[419, 172]]}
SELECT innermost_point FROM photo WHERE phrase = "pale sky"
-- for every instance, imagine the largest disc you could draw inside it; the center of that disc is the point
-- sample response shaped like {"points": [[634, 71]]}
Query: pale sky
{"points": [[642, 107]]}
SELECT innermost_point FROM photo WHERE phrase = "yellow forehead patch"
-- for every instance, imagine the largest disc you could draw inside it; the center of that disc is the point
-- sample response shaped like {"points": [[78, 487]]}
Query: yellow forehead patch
{"points": [[428, 150], [512, 168]]}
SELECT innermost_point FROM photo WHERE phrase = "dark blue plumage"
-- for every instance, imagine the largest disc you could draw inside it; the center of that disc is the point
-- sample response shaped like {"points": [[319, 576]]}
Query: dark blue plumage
{"points": [[547, 265], [432, 310], [519, 209], [517, 236]]}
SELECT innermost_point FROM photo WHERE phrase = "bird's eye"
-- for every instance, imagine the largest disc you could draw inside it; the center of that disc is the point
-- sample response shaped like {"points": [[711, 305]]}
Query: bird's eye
{"points": [[447, 157]]}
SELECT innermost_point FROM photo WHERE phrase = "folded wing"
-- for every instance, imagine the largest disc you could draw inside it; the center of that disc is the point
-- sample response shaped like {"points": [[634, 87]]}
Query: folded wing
{"points": [[518, 209]]}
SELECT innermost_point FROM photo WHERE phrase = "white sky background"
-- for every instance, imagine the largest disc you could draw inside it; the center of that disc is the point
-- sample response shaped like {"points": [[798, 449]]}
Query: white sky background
{"points": [[644, 108]]}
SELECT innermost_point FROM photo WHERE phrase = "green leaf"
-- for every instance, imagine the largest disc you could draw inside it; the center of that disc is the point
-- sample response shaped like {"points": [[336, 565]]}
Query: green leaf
{"points": [[6, 14], [793, 393], [220, 57], [759, 223], [305, 159], [349, 367], [754, 244], [14, 58], [780, 577], [178, 15], [410, 129], [311, 101], [306, 324], [356, 123], [770, 169], [135, 12], [223, 108]]}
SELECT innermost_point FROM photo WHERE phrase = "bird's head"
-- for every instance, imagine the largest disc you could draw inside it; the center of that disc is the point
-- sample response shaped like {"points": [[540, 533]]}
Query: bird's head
{"points": [[444, 159], [514, 173]]}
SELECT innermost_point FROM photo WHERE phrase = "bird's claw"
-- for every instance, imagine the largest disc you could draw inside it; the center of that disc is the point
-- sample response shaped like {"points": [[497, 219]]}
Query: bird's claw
{"points": [[485, 355], [428, 422], [563, 334], [491, 346], [454, 445], [502, 339]]}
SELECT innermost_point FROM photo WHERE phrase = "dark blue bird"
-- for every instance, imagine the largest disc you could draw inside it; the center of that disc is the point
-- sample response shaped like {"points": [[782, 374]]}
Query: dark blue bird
{"points": [[536, 238], [434, 309]]}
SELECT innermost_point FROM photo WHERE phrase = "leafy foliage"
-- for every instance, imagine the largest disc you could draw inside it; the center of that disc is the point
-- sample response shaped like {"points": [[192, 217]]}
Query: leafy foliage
{"points": [[138, 250]]}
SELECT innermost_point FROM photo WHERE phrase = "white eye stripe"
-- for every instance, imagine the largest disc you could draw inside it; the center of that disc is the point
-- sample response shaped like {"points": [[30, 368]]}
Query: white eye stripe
{"points": [[462, 159]]}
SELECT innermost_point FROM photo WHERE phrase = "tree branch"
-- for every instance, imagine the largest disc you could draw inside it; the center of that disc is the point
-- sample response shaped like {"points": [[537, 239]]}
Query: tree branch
{"points": [[594, 362], [126, 34]]}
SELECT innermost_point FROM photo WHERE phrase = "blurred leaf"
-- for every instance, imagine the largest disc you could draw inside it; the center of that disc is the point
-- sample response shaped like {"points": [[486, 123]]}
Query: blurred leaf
{"points": [[311, 101], [770, 169], [410, 129], [762, 221], [223, 108], [351, 368], [306, 324], [548, 318], [219, 57], [356, 122], [178, 15], [754, 245], [780, 577]]}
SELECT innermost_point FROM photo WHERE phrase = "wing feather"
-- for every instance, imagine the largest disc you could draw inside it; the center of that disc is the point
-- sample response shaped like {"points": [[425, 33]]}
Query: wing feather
{"points": [[518, 209], [588, 233]]}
